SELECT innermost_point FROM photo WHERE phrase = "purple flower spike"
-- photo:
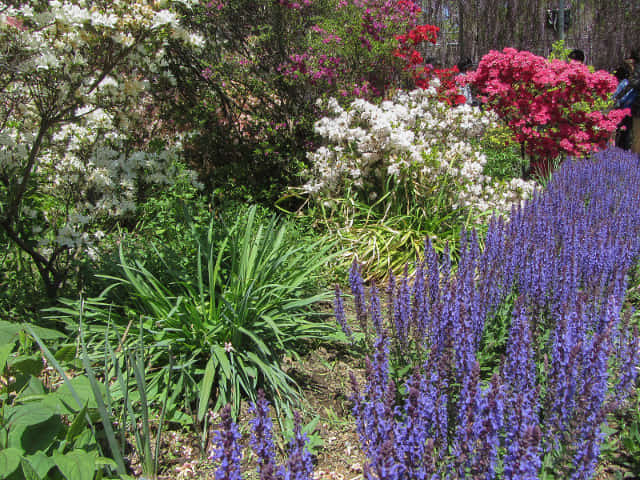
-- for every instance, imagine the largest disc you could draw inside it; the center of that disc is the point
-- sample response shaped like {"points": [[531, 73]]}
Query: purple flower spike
{"points": [[227, 449], [338, 307], [375, 310], [262, 437], [357, 288], [565, 255]]}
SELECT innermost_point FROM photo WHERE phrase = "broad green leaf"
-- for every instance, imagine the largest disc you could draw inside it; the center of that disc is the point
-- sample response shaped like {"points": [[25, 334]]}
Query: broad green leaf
{"points": [[82, 387], [5, 351], [106, 462], [66, 353], [32, 435], [41, 463], [9, 461], [51, 359], [78, 425], [8, 331], [223, 359], [76, 465], [28, 471], [46, 333], [29, 365], [33, 388], [25, 416]]}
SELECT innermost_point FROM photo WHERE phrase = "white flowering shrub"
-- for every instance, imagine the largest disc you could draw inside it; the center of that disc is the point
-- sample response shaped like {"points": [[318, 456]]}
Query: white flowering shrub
{"points": [[74, 78], [414, 144]]}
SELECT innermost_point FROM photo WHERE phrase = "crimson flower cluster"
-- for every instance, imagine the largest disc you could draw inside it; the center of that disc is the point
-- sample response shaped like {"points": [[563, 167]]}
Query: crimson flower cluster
{"points": [[421, 73], [408, 52], [421, 33], [568, 355]]}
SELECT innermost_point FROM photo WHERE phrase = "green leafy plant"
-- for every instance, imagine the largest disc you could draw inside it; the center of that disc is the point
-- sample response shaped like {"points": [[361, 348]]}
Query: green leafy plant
{"points": [[21, 291], [559, 51], [314, 440], [389, 233], [122, 397], [505, 159], [160, 227], [45, 432], [622, 445], [230, 325]]}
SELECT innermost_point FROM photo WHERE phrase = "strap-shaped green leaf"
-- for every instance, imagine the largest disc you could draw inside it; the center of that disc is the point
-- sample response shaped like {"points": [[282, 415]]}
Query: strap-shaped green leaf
{"points": [[207, 384]]}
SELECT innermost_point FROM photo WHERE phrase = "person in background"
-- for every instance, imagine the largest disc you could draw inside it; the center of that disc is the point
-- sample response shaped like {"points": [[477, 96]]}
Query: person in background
{"points": [[632, 88], [623, 131], [577, 55], [464, 65], [433, 63]]}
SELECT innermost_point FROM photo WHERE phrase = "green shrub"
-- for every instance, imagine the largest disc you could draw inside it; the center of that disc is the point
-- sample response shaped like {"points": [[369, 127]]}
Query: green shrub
{"points": [[385, 239], [245, 307], [21, 290], [504, 154], [161, 228]]}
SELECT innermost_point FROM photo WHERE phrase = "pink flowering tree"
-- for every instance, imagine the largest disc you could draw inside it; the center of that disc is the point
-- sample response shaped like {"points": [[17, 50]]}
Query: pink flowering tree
{"points": [[553, 107], [350, 52]]}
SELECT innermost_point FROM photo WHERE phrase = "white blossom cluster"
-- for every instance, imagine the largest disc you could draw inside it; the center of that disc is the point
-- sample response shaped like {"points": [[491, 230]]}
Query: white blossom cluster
{"points": [[74, 78], [411, 138]]}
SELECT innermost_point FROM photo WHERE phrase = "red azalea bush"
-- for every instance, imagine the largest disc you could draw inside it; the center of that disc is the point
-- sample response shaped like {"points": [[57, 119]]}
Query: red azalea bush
{"points": [[421, 73], [408, 52], [552, 107], [449, 90]]}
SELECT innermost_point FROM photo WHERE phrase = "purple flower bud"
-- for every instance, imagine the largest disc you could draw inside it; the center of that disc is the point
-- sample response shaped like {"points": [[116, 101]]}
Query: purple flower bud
{"points": [[299, 465], [338, 306]]}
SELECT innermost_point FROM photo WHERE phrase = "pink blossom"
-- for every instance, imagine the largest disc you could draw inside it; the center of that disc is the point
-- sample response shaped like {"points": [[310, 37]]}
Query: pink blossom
{"points": [[14, 22], [207, 73]]}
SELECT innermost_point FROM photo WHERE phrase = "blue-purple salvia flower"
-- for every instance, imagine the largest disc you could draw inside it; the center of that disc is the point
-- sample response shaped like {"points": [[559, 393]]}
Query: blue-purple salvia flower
{"points": [[467, 435], [433, 272], [357, 289], [564, 254], [523, 435], [414, 444], [262, 437], [421, 307], [375, 311], [402, 312], [338, 307], [627, 351], [227, 452]]}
